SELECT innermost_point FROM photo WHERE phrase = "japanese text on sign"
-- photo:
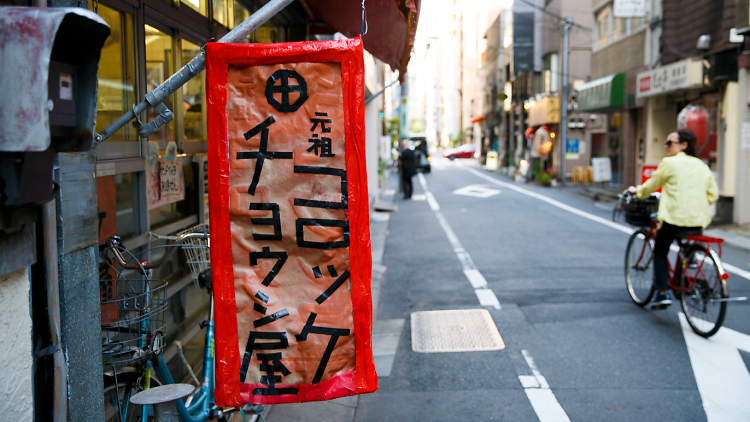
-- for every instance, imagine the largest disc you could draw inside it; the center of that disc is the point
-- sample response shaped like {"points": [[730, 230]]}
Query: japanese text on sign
{"points": [[290, 229]]}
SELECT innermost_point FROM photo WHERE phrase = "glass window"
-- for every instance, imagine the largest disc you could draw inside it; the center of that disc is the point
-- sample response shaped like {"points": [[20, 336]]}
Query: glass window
{"points": [[239, 15], [223, 12], [619, 27], [116, 74], [194, 98], [199, 6], [159, 66], [602, 27]]}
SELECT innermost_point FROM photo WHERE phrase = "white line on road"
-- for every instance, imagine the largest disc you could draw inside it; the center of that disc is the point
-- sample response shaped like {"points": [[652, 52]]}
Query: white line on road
{"points": [[722, 377], [542, 399], [728, 267], [478, 282]]}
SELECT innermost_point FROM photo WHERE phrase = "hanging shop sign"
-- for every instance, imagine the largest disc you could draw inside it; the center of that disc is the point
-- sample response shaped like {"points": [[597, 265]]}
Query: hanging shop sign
{"points": [[290, 256], [523, 42], [685, 74], [164, 181], [647, 170]]}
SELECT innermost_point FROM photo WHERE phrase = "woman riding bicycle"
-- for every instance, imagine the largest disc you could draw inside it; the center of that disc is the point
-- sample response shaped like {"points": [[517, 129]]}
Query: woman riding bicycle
{"points": [[689, 189]]}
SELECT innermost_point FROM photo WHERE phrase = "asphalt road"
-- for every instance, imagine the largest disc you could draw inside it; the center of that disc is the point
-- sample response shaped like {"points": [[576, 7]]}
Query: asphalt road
{"points": [[565, 316]]}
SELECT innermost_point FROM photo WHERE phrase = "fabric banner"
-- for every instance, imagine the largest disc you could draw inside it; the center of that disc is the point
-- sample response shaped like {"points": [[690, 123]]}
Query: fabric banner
{"points": [[290, 239]]}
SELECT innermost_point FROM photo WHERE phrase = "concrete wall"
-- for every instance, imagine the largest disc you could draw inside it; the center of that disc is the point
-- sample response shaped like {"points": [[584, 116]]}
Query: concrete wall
{"points": [[661, 116], [16, 398], [619, 56]]}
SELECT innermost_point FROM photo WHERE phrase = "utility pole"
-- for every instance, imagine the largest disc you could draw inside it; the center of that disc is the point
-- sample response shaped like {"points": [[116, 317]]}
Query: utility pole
{"points": [[564, 102]]}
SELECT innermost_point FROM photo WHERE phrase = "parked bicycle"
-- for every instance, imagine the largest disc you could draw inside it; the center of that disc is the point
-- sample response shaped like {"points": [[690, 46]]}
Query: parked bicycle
{"points": [[697, 277], [133, 331]]}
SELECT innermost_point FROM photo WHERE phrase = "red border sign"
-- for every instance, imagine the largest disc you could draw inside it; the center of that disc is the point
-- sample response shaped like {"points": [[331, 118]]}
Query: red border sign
{"points": [[362, 379]]}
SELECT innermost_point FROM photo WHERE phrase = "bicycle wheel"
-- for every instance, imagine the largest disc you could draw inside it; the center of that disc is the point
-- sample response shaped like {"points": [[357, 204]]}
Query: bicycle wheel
{"points": [[638, 268], [117, 395], [704, 314]]}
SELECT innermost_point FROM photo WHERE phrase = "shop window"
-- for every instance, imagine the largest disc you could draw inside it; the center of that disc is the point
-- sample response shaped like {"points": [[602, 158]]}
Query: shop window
{"points": [[124, 198], [116, 93], [194, 98], [176, 211], [200, 6], [223, 12], [240, 13], [159, 67]]}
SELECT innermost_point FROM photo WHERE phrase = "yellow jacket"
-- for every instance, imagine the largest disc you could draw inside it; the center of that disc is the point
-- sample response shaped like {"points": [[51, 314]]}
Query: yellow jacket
{"points": [[689, 189]]}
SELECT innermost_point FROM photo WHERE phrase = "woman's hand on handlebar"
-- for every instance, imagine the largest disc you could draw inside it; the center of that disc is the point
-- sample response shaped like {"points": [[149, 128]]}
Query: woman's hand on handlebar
{"points": [[632, 190]]}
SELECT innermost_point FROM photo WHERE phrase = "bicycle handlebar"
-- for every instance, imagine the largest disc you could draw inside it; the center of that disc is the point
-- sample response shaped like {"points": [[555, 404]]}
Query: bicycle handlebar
{"points": [[114, 244]]}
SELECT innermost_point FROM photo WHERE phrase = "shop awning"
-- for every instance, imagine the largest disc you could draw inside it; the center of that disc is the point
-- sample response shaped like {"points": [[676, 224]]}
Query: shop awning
{"points": [[603, 94], [478, 119], [391, 25]]}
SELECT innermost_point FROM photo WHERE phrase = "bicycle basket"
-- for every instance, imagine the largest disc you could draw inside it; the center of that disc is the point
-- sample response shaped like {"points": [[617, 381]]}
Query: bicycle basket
{"points": [[133, 320], [196, 251], [638, 211]]}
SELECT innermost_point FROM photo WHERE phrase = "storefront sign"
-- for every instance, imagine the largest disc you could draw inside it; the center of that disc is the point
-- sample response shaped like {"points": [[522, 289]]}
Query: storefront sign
{"points": [[647, 170], [630, 8], [684, 74], [290, 255], [523, 42], [571, 149], [544, 111], [602, 169]]}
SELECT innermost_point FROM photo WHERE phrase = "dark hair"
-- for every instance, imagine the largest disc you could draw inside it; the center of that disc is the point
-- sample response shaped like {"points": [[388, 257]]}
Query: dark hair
{"points": [[687, 136]]}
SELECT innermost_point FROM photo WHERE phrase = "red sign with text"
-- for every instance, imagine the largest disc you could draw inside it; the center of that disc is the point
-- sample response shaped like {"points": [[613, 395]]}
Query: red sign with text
{"points": [[290, 247], [647, 170]]}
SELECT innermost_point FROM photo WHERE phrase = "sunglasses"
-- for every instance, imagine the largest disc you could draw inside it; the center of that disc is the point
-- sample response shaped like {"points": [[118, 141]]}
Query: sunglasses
{"points": [[668, 144]]}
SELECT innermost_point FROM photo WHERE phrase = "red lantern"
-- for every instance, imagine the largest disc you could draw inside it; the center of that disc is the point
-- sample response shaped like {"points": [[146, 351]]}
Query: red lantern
{"points": [[695, 118]]}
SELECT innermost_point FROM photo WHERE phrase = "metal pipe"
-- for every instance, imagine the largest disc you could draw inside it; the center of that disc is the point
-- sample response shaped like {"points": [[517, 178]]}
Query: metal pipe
{"points": [[372, 97], [60, 374], [195, 66]]}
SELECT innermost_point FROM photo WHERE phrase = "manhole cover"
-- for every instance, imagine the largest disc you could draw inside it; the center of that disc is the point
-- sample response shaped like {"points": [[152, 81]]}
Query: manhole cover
{"points": [[467, 330]]}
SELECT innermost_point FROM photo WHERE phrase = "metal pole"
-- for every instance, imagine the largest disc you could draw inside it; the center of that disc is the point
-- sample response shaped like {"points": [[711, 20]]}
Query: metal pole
{"points": [[194, 67], [564, 102], [60, 371]]}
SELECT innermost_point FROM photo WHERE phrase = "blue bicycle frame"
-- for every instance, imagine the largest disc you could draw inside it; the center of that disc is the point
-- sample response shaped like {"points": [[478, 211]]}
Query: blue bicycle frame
{"points": [[203, 405]]}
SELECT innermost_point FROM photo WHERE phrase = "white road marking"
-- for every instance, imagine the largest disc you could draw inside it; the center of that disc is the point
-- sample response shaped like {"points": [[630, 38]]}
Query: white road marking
{"points": [[476, 191], [418, 198], [542, 399], [721, 374], [486, 296], [625, 229]]}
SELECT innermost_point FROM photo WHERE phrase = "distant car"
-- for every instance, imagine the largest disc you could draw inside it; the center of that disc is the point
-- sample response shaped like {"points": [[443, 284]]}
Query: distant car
{"points": [[464, 151]]}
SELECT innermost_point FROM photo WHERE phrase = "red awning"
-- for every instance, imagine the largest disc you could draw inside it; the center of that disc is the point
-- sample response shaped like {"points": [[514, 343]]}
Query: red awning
{"points": [[391, 25], [477, 119]]}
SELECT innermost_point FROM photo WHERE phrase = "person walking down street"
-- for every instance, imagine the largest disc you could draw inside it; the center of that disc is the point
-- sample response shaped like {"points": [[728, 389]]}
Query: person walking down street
{"points": [[689, 189], [408, 166]]}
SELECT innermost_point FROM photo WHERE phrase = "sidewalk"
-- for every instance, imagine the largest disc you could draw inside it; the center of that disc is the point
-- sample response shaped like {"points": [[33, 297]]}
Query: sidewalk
{"points": [[385, 333]]}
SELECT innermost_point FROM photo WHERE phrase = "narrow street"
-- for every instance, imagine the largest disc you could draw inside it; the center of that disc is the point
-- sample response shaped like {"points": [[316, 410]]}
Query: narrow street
{"points": [[564, 314]]}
